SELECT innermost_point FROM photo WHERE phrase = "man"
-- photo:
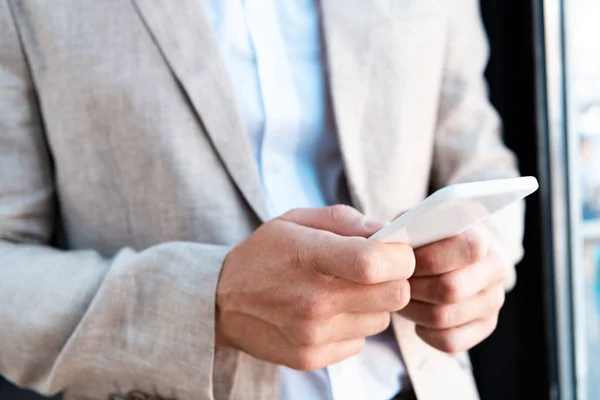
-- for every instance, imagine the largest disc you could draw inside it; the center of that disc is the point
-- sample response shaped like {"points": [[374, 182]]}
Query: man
{"points": [[183, 160]]}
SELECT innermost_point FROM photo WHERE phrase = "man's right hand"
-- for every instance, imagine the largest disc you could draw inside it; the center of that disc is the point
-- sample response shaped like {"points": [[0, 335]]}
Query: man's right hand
{"points": [[305, 289]]}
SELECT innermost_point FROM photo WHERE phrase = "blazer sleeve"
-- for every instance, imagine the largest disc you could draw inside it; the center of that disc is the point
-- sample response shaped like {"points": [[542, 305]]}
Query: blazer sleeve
{"points": [[468, 144], [77, 320]]}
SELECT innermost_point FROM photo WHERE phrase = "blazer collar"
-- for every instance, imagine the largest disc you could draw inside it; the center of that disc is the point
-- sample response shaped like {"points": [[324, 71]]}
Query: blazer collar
{"points": [[185, 38], [186, 41]]}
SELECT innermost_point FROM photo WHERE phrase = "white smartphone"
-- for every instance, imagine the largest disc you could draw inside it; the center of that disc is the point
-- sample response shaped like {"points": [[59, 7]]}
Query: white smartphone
{"points": [[453, 209]]}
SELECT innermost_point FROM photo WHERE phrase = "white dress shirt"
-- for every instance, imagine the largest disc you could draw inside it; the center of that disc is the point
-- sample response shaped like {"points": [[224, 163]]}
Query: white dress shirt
{"points": [[274, 56]]}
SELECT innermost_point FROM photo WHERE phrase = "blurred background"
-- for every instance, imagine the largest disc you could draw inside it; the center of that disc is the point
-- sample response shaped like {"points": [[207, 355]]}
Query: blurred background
{"points": [[544, 78]]}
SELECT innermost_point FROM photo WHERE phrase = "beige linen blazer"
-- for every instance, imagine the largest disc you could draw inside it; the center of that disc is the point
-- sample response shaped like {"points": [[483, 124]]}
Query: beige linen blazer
{"points": [[126, 176]]}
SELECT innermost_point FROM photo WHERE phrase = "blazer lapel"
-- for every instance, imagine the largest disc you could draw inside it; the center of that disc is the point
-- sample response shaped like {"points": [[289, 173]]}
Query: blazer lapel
{"points": [[433, 374], [348, 33], [185, 38]]}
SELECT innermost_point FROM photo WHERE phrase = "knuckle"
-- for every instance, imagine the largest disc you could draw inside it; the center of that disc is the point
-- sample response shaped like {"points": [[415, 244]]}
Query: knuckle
{"points": [[311, 306], [451, 288], [308, 334], [428, 259], [492, 324], [500, 266], [498, 298], [287, 215], [441, 317], [409, 261], [297, 257], [446, 341], [365, 264], [400, 296], [382, 322], [340, 212], [293, 215], [475, 246], [304, 359], [449, 343]]}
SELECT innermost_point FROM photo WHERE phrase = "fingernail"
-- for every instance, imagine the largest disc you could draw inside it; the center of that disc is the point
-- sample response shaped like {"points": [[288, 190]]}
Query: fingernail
{"points": [[374, 225]]}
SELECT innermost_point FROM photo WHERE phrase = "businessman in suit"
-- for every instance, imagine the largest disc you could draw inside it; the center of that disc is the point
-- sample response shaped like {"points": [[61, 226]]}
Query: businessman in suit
{"points": [[186, 190]]}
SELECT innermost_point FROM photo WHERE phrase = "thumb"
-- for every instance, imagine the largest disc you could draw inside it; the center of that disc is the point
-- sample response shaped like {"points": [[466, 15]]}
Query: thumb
{"points": [[339, 219]]}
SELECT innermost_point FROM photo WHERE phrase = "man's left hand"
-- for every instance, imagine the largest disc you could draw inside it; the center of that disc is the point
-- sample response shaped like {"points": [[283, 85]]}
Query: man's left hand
{"points": [[457, 291]]}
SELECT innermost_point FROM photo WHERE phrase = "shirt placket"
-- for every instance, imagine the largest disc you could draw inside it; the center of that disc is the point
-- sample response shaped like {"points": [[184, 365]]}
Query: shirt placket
{"points": [[280, 102]]}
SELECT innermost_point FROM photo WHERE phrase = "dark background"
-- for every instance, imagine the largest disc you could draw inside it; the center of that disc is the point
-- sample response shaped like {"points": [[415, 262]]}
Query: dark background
{"points": [[516, 362]]}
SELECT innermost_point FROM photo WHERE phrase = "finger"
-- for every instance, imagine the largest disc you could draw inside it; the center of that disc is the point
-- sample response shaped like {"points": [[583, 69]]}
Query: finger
{"points": [[451, 254], [360, 260], [252, 334], [358, 325], [456, 286], [435, 316], [339, 219], [387, 297], [354, 259], [456, 340], [343, 327], [317, 357]]}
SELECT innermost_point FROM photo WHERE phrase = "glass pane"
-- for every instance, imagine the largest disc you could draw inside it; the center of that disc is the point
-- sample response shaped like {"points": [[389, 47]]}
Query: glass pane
{"points": [[582, 53], [592, 317]]}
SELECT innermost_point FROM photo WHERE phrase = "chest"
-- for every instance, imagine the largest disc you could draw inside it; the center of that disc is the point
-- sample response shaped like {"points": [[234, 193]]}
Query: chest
{"points": [[136, 90]]}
